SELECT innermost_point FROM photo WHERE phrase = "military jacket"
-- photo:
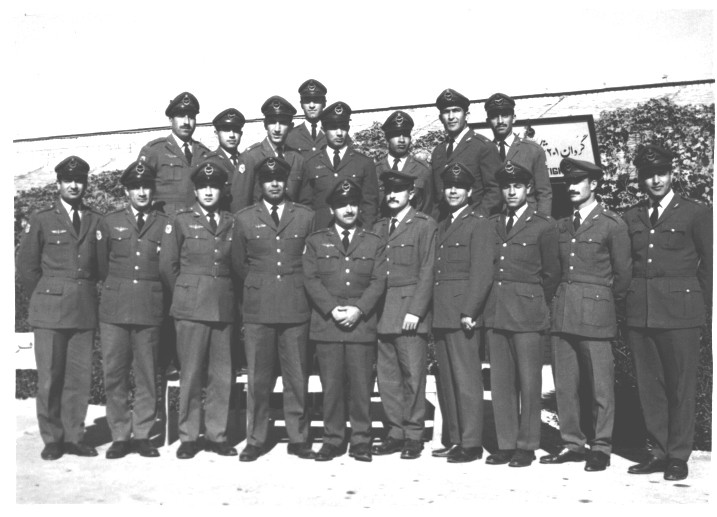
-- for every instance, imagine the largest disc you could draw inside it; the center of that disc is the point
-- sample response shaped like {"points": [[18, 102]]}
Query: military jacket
{"points": [[195, 264], [226, 202], [246, 190], [531, 156], [671, 265], [526, 272], [424, 200], [596, 271], [410, 253], [128, 261], [58, 268], [462, 269], [268, 259], [481, 157], [335, 277], [299, 138], [319, 177], [174, 189]]}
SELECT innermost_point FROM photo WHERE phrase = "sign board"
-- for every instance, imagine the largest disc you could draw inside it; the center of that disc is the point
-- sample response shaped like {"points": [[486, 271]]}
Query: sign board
{"points": [[560, 137]]}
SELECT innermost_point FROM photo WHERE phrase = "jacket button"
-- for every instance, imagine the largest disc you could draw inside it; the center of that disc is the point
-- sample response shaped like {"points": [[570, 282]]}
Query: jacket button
{"points": [[278, 263], [572, 254], [277, 237], [138, 253], [136, 267], [348, 283], [348, 270], [652, 231], [651, 245], [504, 244], [573, 240], [687, 290], [134, 281], [649, 260]]}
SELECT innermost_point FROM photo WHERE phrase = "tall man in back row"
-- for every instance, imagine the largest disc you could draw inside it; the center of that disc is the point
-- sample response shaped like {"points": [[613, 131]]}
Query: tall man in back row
{"points": [[228, 127], [307, 138]]}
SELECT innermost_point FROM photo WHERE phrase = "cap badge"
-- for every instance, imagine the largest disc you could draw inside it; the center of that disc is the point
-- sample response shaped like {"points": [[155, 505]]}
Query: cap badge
{"points": [[339, 109], [399, 120], [346, 186], [568, 167], [311, 86], [208, 169], [276, 105], [139, 169], [72, 164], [231, 116], [509, 167], [651, 155], [447, 95], [271, 163], [185, 100], [456, 170]]}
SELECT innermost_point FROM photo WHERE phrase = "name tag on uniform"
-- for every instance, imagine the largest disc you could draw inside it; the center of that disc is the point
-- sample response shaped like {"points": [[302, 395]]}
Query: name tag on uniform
{"points": [[321, 166], [262, 225]]}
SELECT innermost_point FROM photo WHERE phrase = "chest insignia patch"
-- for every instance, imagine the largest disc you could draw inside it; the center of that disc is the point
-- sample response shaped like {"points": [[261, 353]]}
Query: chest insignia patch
{"points": [[121, 228], [99, 235], [168, 229], [59, 232], [195, 226]]}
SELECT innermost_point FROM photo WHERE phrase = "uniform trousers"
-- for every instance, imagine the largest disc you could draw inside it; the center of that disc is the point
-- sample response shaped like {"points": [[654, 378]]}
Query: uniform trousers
{"points": [[204, 350], [666, 365], [460, 379], [516, 360], [401, 368], [263, 343], [341, 366], [125, 346], [64, 376]]}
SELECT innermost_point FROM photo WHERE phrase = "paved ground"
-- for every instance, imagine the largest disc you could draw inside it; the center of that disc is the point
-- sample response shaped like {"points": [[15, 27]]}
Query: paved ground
{"points": [[282, 481]]}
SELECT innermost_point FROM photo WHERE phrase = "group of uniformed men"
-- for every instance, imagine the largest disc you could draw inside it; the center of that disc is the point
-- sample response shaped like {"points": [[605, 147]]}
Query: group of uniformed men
{"points": [[315, 243]]}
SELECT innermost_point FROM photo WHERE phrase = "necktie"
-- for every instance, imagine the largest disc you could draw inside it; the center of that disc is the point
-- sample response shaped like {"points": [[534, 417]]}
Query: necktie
{"points": [[140, 220], [395, 164], [502, 150], [280, 151], [188, 153], [451, 218], [511, 221], [394, 221], [235, 160], [337, 159], [449, 149], [576, 221], [345, 240], [76, 219], [655, 215], [212, 222], [313, 130], [275, 215]]}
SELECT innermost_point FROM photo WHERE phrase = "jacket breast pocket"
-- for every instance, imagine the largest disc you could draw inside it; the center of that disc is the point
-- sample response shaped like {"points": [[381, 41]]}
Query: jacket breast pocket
{"points": [[597, 307], [120, 246], [673, 237], [457, 252], [403, 253], [327, 261], [524, 251], [170, 171], [198, 242], [362, 265], [587, 246]]}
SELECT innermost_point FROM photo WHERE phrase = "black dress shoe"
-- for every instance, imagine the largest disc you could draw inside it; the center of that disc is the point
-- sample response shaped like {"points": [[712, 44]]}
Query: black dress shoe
{"points": [[80, 449], [302, 450], [360, 452], [250, 453], [118, 450], [649, 466], [52, 451], [221, 448], [597, 461], [388, 446], [187, 450], [327, 452], [411, 449], [444, 452], [564, 456], [465, 454], [676, 470], [146, 449], [522, 458], [500, 457]]}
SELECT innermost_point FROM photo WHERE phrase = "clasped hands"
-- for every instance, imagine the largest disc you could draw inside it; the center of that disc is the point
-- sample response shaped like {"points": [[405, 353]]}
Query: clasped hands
{"points": [[346, 316]]}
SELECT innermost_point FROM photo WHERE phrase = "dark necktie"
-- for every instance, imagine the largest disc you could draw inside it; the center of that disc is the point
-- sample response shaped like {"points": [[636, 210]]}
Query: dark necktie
{"points": [[275, 215], [511, 221], [655, 215], [188, 153], [313, 130], [345, 240], [449, 149], [280, 151], [337, 159], [212, 222], [140, 220], [235, 160], [394, 222], [451, 218], [395, 164], [576, 221], [502, 150], [76, 219]]}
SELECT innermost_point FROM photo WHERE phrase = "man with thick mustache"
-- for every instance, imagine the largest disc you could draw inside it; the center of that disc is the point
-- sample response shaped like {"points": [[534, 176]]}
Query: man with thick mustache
{"points": [[307, 138]]}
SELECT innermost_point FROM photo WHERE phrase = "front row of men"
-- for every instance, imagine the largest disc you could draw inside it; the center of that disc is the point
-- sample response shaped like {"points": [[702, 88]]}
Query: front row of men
{"points": [[345, 288]]}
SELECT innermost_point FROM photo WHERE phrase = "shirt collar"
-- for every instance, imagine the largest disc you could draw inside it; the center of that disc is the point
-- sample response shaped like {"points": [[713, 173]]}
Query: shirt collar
{"points": [[69, 208], [330, 152], [340, 230], [459, 211], [279, 206], [401, 161], [461, 135], [180, 142], [520, 211], [585, 211], [401, 215], [665, 201]]}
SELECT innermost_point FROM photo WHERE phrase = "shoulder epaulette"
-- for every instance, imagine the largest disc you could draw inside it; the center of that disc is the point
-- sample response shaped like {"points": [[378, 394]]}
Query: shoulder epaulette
{"points": [[543, 216], [610, 214], [369, 232], [494, 216], [160, 214], [252, 146], [481, 138], [43, 209], [421, 215], [299, 205], [184, 210], [422, 162], [475, 214], [321, 230], [156, 141], [531, 142]]}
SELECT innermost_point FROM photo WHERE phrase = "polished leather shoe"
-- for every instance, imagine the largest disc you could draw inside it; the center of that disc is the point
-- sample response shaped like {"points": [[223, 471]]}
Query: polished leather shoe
{"points": [[302, 450], [500, 457], [676, 470], [597, 461], [221, 448], [444, 452], [411, 449], [564, 456], [388, 446], [250, 453], [80, 449], [118, 450], [146, 449], [360, 452], [649, 466], [187, 450], [52, 451], [327, 452], [522, 458], [465, 454]]}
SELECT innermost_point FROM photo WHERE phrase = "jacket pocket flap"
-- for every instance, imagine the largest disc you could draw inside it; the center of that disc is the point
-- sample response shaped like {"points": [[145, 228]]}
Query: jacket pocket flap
{"points": [[187, 281], [54, 288]]}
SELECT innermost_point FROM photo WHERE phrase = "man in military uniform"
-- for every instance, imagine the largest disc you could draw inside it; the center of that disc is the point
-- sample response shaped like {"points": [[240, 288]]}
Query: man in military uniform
{"points": [[405, 321], [596, 269], [464, 255], [308, 137], [174, 156], [339, 161], [278, 115], [473, 150], [397, 130], [267, 247], [57, 263], [500, 111], [228, 127], [345, 276], [195, 264], [526, 272], [667, 302], [131, 310]]}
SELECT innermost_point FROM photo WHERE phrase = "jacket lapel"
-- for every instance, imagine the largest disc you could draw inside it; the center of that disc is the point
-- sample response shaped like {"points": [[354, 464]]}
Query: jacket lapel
{"points": [[588, 222], [286, 216], [500, 222], [667, 212], [403, 225], [65, 218], [174, 148], [513, 149], [521, 223], [456, 224], [264, 215], [200, 218], [356, 241]]}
